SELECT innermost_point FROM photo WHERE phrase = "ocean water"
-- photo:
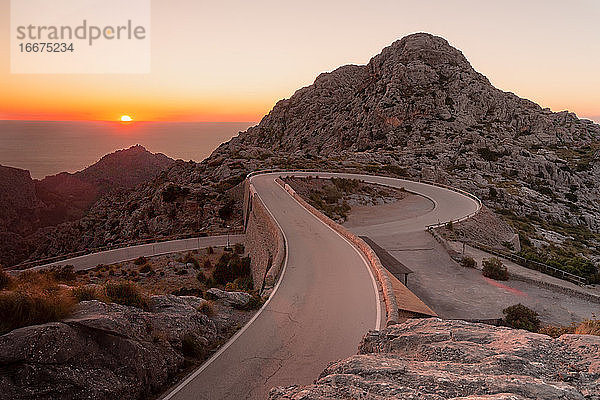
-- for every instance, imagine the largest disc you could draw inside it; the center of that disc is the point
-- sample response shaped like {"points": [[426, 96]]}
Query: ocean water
{"points": [[49, 147]]}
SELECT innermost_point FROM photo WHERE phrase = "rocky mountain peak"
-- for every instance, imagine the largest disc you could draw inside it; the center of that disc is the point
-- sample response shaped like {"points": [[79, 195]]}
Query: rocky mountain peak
{"points": [[422, 48]]}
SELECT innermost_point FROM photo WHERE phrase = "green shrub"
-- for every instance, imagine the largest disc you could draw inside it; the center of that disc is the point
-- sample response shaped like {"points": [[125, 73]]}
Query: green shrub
{"points": [[146, 268], [127, 294], [244, 283], [346, 185], [210, 250], [207, 264], [23, 307], [238, 248], [140, 260], [201, 277], [508, 245], [468, 262], [226, 211], [572, 197], [521, 317], [494, 269], [490, 155], [230, 267]]}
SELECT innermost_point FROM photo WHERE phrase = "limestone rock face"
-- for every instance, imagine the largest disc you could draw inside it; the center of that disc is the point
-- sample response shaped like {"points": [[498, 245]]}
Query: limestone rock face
{"points": [[437, 360], [104, 351], [30, 206], [420, 107]]}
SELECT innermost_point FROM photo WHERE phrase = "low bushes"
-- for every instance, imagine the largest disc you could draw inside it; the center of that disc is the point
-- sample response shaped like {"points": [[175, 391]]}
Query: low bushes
{"points": [[146, 269], [255, 302], [64, 274], [173, 192], [238, 248], [140, 260], [25, 306], [521, 317], [468, 262], [588, 327], [494, 269], [230, 267]]}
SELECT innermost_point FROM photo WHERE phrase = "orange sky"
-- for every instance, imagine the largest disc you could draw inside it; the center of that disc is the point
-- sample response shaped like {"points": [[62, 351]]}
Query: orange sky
{"points": [[233, 60]]}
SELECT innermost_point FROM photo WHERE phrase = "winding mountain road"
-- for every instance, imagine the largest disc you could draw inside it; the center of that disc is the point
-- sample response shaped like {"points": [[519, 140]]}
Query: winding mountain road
{"points": [[122, 254], [324, 302]]}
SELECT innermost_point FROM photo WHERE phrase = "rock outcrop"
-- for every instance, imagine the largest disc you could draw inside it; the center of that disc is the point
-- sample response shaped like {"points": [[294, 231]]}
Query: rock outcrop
{"points": [[70, 195], [437, 360], [104, 351], [420, 108], [27, 205], [19, 205], [234, 299]]}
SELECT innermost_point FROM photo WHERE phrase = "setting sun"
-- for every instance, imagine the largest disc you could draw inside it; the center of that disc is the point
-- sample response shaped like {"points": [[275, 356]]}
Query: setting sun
{"points": [[126, 118]]}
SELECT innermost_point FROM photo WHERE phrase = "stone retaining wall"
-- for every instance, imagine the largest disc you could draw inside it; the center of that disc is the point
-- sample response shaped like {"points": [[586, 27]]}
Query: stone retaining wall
{"points": [[264, 241], [554, 287], [381, 274]]}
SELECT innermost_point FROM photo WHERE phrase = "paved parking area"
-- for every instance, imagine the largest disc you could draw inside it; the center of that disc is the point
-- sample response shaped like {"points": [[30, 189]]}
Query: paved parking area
{"points": [[453, 291]]}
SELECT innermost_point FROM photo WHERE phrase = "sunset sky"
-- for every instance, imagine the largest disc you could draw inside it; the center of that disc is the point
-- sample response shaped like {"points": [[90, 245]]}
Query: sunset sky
{"points": [[232, 60]]}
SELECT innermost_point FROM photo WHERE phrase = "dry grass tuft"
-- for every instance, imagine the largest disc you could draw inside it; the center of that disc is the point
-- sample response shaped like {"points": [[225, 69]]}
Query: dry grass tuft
{"points": [[126, 293], [29, 305], [589, 327], [89, 292]]}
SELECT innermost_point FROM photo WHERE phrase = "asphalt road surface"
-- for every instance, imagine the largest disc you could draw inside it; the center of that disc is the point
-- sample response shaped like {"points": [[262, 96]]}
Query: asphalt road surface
{"points": [[324, 302], [148, 250]]}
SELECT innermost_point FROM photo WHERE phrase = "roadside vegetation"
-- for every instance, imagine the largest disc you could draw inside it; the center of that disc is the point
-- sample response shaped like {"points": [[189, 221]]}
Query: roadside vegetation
{"points": [[468, 262], [32, 298], [572, 255], [519, 316], [37, 297], [494, 269]]}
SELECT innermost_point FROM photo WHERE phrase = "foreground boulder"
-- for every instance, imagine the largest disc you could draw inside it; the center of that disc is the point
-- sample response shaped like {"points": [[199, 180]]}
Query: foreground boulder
{"points": [[104, 351], [235, 299], [435, 360]]}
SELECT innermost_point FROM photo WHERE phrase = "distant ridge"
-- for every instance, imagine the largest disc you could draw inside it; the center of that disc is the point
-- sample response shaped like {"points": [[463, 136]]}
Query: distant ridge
{"points": [[27, 204]]}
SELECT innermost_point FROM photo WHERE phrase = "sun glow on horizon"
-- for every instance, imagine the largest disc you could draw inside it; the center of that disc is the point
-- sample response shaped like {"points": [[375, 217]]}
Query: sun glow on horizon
{"points": [[126, 118]]}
